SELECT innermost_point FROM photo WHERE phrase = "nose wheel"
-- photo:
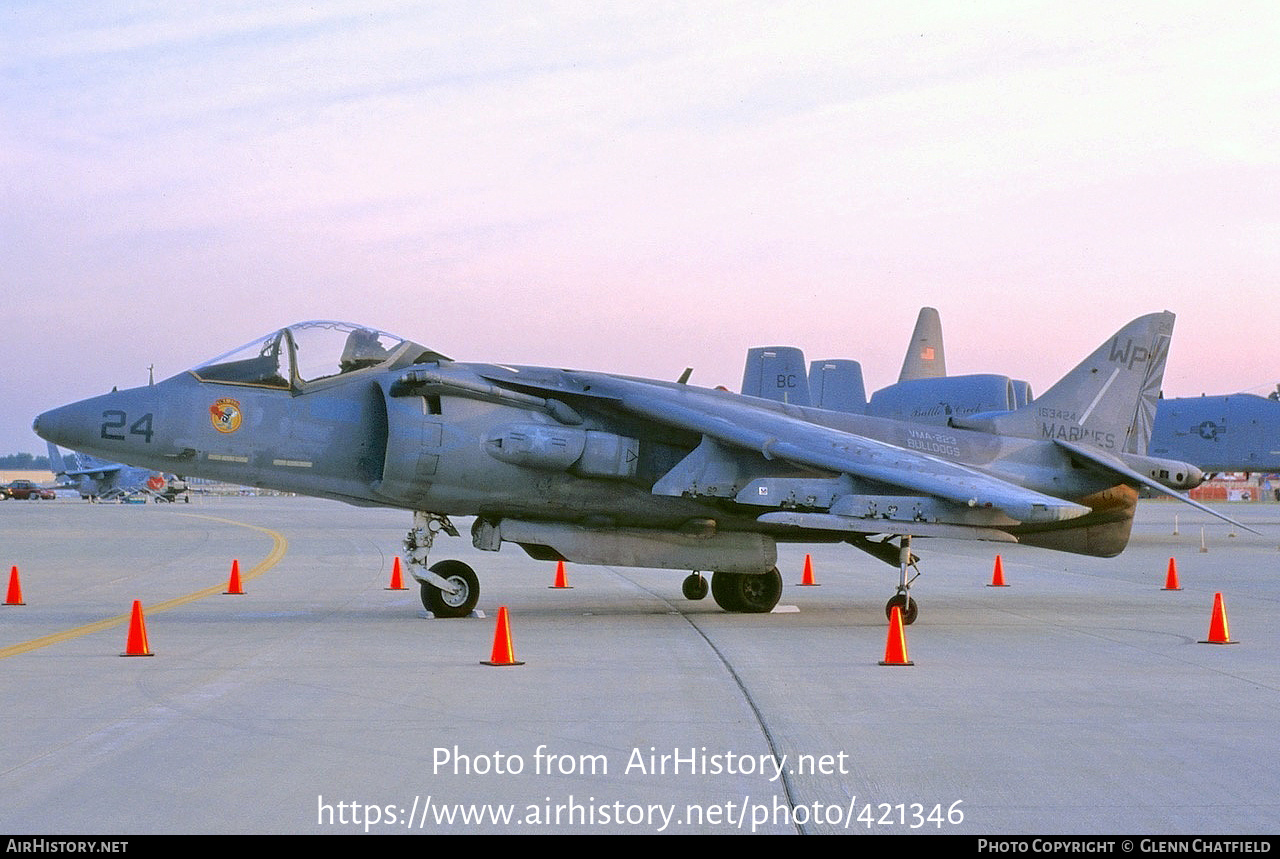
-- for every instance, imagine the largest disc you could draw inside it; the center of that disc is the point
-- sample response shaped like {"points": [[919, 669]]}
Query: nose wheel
{"points": [[461, 600], [449, 588]]}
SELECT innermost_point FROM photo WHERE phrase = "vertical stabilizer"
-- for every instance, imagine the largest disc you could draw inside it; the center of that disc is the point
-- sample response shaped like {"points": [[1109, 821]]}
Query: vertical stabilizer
{"points": [[925, 359], [776, 373], [1102, 402], [1144, 418], [55, 460], [836, 385]]}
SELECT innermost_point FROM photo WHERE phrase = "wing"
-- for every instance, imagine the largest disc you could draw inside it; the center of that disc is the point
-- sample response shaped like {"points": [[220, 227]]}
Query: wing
{"points": [[96, 472], [779, 436], [869, 484]]}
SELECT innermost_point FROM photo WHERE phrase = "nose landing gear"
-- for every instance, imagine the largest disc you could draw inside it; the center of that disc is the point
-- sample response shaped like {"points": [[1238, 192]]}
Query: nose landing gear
{"points": [[449, 588]]}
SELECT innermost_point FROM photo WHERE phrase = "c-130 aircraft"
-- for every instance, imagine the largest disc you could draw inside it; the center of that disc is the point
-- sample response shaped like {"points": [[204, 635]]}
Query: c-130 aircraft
{"points": [[595, 468]]}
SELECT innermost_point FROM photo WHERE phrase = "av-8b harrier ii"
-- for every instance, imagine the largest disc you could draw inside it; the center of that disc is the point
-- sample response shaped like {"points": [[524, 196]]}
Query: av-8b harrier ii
{"points": [[96, 480], [596, 468]]}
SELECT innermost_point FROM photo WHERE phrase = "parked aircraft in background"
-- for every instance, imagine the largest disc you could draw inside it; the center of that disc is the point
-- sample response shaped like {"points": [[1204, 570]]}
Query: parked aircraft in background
{"points": [[597, 468], [97, 480], [924, 392], [1234, 432]]}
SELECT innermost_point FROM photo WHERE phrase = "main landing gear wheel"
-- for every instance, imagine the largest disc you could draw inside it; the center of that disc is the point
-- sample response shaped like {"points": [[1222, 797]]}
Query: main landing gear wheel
{"points": [[906, 605], [457, 604], [695, 587], [743, 592]]}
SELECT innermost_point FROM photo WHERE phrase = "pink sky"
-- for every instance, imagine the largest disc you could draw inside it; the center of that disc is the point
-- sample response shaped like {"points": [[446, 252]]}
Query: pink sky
{"points": [[637, 187]]}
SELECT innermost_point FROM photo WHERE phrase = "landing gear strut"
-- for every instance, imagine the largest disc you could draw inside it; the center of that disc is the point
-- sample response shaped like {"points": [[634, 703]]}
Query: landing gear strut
{"points": [[902, 600], [449, 588]]}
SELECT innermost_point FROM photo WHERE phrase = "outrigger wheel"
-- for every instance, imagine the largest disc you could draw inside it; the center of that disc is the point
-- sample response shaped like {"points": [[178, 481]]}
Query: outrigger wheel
{"points": [[466, 590], [695, 586], [906, 605]]}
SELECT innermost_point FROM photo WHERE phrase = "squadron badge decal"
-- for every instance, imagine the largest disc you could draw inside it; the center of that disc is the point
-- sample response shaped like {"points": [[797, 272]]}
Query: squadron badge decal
{"points": [[225, 414]]}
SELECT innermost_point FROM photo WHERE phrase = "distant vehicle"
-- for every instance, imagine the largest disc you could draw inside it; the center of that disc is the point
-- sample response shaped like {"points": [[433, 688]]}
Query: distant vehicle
{"points": [[25, 490]]}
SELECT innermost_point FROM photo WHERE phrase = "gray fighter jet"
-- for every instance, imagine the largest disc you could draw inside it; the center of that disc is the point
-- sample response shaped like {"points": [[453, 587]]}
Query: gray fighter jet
{"points": [[97, 480], [596, 468]]}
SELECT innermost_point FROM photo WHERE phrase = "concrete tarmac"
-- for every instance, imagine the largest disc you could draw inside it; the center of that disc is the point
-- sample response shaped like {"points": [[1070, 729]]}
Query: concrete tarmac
{"points": [[1075, 701]]}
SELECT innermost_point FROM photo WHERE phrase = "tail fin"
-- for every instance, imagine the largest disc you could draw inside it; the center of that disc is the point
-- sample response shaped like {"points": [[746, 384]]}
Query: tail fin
{"points": [[836, 385], [1102, 402], [1145, 416], [776, 373], [925, 358], [55, 460]]}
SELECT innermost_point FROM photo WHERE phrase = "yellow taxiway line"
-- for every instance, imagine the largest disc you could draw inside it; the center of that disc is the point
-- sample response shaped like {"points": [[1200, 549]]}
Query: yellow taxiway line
{"points": [[279, 546]]}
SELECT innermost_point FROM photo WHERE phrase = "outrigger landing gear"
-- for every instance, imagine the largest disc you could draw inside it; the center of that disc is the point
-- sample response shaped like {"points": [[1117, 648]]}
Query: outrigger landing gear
{"points": [[902, 600], [450, 588], [695, 586]]}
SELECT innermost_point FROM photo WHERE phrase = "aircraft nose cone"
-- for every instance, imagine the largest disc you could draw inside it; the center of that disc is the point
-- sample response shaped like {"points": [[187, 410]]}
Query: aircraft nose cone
{"points": [[46, 425], [113, 425], [68, 425]]}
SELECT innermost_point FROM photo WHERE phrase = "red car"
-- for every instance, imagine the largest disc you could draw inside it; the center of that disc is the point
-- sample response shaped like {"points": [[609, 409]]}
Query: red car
{"points": [[23, 490]]}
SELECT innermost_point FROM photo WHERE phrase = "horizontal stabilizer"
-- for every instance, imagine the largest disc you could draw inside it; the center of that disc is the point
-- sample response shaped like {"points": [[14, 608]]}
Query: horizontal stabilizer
{"points": [[1112, 464]]}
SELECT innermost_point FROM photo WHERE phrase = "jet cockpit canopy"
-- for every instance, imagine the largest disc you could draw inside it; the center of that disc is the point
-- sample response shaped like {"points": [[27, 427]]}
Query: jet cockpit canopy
{"points": [[311, 352]]}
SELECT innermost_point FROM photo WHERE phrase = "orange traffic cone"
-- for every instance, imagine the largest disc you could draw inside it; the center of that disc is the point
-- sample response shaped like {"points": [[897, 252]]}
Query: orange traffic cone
{"points": [[1171, 578], [136, 644], [562, 581], [233, 583], [1218, 633], [997, 575], [807, 578], [895, 648], [397, 578], [503, 652], [14, 597]]}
